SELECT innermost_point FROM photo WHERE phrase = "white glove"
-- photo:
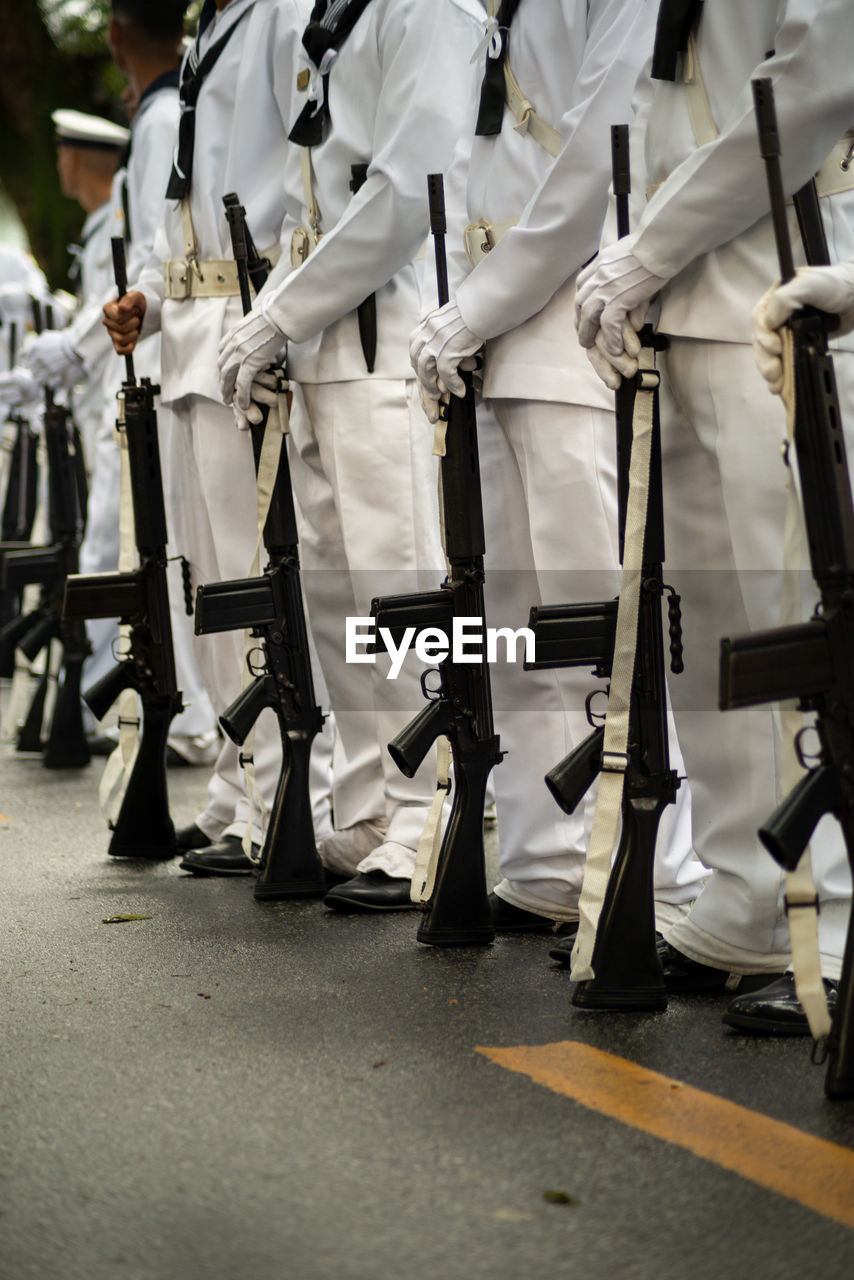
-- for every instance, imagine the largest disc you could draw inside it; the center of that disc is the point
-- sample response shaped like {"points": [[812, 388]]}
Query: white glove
{"points": [[767, 344], [612, 369], [268, 384], [251, 345], [17, 387], [51, 360], [439, 347], [831, 289], [613, 285]]}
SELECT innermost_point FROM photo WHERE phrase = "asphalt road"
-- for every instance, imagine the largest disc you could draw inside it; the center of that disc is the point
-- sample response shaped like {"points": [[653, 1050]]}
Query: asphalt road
{"points": [[275, 1092]]}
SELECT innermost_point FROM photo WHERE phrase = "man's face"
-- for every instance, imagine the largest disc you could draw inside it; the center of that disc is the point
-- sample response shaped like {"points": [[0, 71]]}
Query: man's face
{"points": [[66, 167]]}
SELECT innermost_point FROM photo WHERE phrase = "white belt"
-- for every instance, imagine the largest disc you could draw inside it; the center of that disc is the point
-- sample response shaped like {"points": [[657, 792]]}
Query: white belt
{"points": [[209, 278], [479, 238]]}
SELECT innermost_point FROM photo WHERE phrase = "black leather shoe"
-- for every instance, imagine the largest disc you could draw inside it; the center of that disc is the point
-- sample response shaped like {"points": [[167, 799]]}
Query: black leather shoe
{"points": [[225, 858], [370, 891], [684, 976], [510, 919], [775, 1009], [191, 837], [562, 949]]}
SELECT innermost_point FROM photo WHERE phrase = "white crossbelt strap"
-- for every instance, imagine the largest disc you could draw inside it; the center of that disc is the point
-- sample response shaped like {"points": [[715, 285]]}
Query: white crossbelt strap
{"points": [[522, 109], [696, 98], [801, 898], [268, 469], [119, 766], [609, 800]]}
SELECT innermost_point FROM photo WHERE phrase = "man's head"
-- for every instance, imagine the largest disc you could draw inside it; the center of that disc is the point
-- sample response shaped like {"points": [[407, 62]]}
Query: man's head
{"points": [[145, 31], [88, 149]]}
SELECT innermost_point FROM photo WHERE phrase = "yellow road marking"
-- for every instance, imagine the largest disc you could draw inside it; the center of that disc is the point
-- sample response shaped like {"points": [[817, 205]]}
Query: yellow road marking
{"points": [[811, 1171]]}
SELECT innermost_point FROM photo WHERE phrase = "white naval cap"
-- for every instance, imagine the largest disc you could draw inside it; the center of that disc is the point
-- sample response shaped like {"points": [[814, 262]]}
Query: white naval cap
{"points": [[76, 129]]}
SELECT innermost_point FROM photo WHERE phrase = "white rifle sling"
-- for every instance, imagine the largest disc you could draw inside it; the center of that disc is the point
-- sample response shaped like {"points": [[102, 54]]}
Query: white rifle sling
{"points": [[609, 801], [119, 766], [268, 468], [801, 898]]}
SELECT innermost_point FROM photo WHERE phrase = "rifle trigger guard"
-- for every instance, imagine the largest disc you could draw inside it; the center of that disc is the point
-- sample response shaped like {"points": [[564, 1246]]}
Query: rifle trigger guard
{"points": [[257, 666], [806, 759], [594, 719], [432, 695]]}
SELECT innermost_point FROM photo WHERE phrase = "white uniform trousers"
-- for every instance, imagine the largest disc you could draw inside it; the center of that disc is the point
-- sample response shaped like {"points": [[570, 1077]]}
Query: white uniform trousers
{"points": [[724, 492], [99, 552], [549, 482], [366, 485], [212, 510]]}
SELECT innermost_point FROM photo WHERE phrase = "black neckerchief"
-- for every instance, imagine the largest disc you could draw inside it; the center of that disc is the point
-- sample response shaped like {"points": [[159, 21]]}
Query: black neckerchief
{"points": [[676, 20], [193, 74], [329, 26], [492, 94]]}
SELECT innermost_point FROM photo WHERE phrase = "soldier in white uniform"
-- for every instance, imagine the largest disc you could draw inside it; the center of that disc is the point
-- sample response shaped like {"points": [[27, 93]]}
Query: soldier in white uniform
{"points": [[144, 41], [704, 241], [386, 87], [548, 453], [89, 150], [240, 71]]}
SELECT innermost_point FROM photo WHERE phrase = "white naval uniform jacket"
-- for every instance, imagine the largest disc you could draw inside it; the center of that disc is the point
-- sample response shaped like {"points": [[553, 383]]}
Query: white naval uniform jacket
{"points": [[577, 61], [152, 140], [708, 224], [397, 95], [244, 112]]}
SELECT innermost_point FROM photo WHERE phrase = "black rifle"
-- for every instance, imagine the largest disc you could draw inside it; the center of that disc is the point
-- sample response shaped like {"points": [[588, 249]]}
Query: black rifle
{"points": [[625, 961], [366, 312], [18, 515], [813, 661], [271, 606], [458, 913], [140, 598], [65, 745]]}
